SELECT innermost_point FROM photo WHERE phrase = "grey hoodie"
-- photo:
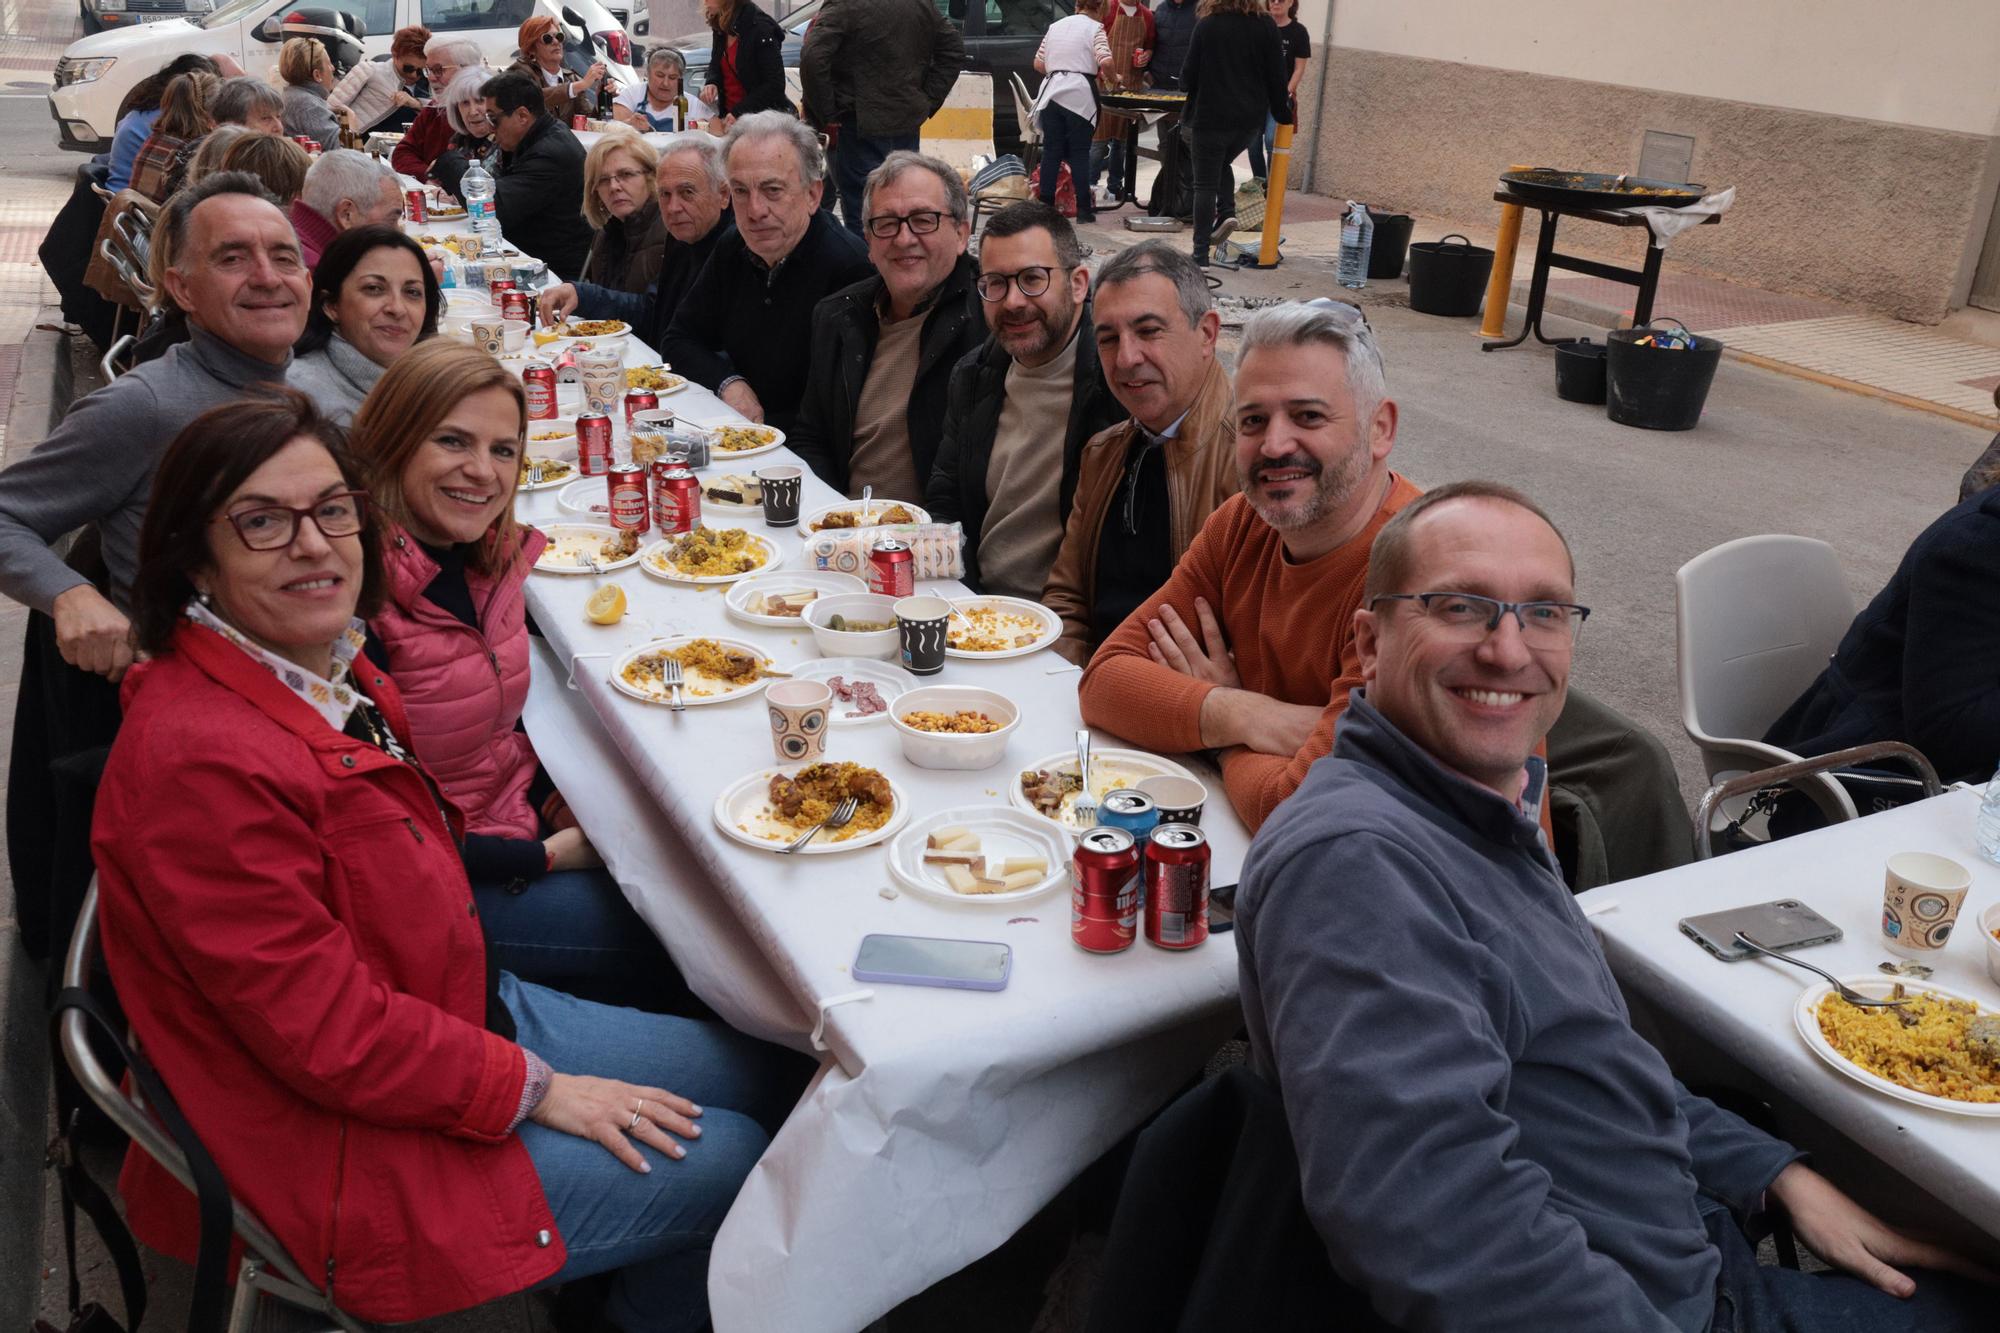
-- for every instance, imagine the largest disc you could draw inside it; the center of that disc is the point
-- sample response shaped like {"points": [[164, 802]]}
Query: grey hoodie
{"points": [[1484, 1141]]}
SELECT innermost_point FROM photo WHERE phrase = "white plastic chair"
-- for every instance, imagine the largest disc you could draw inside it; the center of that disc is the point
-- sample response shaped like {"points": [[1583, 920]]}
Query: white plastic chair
{"points": [[1031, 129], [1758, 619]]}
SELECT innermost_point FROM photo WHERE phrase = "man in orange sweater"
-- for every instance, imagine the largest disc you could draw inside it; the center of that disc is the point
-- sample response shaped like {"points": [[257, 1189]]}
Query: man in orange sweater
{"points": [[1249, 647]]}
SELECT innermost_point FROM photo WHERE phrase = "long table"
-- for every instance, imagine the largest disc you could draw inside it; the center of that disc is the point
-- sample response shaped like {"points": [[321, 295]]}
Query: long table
{"points": [[1745, 1010], [944, 1119]]}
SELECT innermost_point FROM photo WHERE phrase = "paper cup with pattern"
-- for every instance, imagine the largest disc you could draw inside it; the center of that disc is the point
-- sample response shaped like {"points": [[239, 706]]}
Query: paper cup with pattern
{"points": [[1178, 799], [781, 495], [920, 628], [1921, 895], [490, 335], [798, 719]]}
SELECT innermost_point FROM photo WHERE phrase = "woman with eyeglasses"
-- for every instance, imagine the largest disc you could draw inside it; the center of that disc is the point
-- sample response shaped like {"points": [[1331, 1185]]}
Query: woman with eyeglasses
{"points": [[294, 942], [373, 297], [385, 96], [471, 126], [655, 105], [619, 200], [566, 93]]}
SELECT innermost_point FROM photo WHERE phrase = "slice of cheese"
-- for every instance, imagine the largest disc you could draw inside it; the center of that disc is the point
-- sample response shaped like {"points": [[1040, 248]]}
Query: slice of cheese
{"points": [[953, 856], [1015, 865], [961, 879], [1022, 879], [946, 836]]}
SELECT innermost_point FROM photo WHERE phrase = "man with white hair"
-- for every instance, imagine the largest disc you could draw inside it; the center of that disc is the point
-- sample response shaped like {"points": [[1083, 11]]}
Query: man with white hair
{"points": [[694, 203], [344, 189], [745, 327], [1249, 648], [430, 133]]}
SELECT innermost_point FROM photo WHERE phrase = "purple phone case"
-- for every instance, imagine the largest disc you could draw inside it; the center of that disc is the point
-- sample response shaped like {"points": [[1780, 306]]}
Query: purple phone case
{"points": [[946, 983]]}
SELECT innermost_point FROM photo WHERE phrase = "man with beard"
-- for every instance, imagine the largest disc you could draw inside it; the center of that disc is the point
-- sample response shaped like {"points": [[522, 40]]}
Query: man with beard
{"points": [[1032, 389], [1249, 647]]}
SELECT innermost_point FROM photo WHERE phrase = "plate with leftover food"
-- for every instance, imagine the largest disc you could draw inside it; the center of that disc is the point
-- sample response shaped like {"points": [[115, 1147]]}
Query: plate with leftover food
{"points": [[981, 856], [657, 378], [586, 548], [587, 495], [780, 599], [539, 474], [713, 670], [742, 439], [1942, 1050], [772, 807], [863, 687], [581, 328], [710, 555], [1049, 786], [734, 490], [989, 628], [849, 515]]}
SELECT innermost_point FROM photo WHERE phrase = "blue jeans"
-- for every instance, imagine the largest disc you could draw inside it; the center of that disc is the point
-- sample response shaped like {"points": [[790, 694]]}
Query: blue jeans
{"points": [[654, 1229], [1110, 153], [1066, 138], [854, 156], [574, 931], [1755, 1299]]}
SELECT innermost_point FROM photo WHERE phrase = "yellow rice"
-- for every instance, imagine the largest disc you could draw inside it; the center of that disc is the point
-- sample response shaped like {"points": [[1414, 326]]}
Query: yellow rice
{"points": [[1931, 1056]]}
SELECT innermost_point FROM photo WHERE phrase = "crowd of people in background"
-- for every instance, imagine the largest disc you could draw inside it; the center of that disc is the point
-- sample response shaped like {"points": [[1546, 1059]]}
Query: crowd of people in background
{"points": [[307, 621]]}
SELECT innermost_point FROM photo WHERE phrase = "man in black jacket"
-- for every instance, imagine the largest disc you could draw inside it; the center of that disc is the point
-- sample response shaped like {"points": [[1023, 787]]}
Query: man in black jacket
{"points": [[883, 349], [1032, 389], [745, 328], [873, 71], [537, 176], [694, 203]]}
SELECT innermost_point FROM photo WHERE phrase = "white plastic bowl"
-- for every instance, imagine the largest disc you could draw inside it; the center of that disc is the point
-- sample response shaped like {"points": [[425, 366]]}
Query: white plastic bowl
{"points": [[515, 334], [1989, 921], [884, 644], [943, 749]]}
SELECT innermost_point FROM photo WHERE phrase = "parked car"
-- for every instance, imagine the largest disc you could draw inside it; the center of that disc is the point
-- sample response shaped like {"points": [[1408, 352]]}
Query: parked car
{"points": [[96, 72], [1001, 38]]}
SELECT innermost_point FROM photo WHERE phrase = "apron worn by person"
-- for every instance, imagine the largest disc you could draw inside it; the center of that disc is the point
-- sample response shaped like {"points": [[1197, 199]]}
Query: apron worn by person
{"points": [[1123, 34]]}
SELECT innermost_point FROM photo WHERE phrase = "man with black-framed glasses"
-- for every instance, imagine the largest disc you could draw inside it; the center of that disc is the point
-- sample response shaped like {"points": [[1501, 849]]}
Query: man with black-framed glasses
{"points": [[883, 349], [1020, 407]]}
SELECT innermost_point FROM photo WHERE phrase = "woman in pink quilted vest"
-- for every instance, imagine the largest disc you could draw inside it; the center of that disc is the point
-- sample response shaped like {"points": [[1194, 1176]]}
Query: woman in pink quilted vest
{"points": [[441, 435]]}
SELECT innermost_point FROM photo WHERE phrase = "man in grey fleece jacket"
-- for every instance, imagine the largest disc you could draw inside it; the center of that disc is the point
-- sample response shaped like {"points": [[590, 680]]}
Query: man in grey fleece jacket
{"points": [[236, 271], [1484, 1142]]}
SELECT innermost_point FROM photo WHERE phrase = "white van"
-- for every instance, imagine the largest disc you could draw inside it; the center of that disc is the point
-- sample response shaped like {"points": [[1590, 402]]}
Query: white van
{"points": [[95, 72]]}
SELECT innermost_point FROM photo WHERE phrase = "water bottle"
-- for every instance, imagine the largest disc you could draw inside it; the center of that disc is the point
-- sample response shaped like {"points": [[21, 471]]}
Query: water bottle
{"points": [[476, 188], [1988, 831], [1357, 232]]}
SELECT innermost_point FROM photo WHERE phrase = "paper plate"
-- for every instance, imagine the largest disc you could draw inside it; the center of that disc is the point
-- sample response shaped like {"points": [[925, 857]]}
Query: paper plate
{"points": [[889, 680], [1051, 626], [823, 581], [564, 538], [586, 495], [807, 532], [739, 807], [718, 456], [1002, 832], [653, 561], [1131, 766], [1806, 1015], [719, 692], [675, 383]]}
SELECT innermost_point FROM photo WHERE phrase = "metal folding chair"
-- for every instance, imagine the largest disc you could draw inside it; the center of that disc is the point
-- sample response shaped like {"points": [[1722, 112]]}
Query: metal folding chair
{"points": [[272, 1294], [1802, 774]]}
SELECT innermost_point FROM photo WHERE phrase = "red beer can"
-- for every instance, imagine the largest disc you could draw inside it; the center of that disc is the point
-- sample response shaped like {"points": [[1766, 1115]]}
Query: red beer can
{"points": [[593, 444], [676, 500], [499, 285], [413, 205], [1177, 887], [540, 382], [579, 122], [639, 400], [630, 511], [1104, 898], [893, 570], [517, 305]]}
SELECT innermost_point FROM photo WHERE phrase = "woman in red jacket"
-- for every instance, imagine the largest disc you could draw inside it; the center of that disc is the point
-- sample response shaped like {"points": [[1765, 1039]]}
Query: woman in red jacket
{"points": [[295, 942], [440, 438]]}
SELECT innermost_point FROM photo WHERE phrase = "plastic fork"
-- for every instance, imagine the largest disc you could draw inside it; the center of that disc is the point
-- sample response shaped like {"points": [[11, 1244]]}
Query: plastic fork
{"points": [[1084, 807], [1845, 991], [842, 815], [671, 673]]}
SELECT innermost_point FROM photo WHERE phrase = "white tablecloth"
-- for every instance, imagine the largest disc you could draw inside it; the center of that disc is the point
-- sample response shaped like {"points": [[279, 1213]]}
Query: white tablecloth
{"points": [[947, 1118], [1745, 1009]]}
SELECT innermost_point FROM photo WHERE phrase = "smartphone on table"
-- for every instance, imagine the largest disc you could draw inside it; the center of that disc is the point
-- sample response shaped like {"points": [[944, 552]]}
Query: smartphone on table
{"points": [[1784, 924], [1222, 909], [915, 960]]}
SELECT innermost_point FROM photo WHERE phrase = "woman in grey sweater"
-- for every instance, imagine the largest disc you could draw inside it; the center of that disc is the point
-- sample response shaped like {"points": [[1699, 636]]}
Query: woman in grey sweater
{"points": [[374, 296], [308, 73]]}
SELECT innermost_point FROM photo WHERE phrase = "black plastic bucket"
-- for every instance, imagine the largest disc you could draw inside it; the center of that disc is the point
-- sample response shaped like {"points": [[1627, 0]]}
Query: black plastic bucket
{"points": [[1392, 238], [1580, 372], [1658, 388], [1448, 278]]}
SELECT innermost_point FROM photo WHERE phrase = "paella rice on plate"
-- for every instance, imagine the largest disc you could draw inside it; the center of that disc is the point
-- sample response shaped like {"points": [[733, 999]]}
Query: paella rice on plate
{"points": [[809, 796], [736, 439], [992, 629], [704, 664], [710, 553], [1933, 1045]]}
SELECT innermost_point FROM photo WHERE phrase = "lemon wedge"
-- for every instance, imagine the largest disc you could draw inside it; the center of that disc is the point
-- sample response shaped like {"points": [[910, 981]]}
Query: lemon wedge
{"points": [[606, 606]]}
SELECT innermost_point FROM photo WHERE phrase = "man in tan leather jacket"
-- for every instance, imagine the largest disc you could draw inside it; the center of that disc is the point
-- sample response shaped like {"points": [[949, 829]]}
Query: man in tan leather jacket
{"points": [[1144, 486]]}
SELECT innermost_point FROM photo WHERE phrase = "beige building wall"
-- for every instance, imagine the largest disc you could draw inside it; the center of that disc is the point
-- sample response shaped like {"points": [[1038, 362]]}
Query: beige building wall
{"points": [[1864, 141]]}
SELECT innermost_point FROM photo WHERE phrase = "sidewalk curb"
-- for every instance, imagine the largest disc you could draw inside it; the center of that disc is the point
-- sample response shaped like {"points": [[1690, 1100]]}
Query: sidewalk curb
{"points": [[41, 395]]}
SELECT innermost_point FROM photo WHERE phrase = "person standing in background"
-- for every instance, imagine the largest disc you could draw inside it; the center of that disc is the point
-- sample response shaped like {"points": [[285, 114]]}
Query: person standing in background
{"points": [[1296, 43], [1173, 26], [1074, 52], [1234, 77], [1128, 30], [746, 61]]}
